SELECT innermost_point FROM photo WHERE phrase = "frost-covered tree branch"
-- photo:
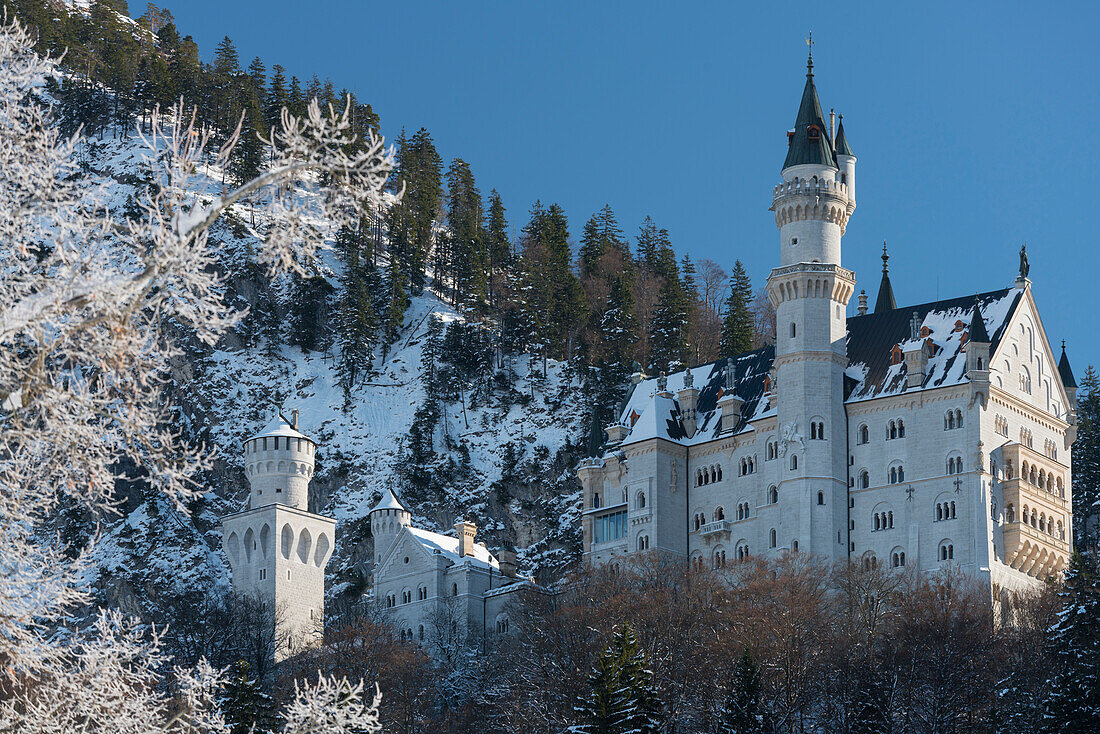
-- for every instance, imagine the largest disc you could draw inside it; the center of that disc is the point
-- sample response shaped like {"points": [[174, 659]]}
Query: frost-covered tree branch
{"points": [[88, 307]]}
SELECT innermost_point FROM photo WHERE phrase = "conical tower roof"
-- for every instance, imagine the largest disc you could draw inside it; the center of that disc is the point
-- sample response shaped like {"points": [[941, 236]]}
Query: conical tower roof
{"points": [[810, 141], [978, 331], [885, 300], [389, 501], [595, 438], [1063, 369], [841, 145]]}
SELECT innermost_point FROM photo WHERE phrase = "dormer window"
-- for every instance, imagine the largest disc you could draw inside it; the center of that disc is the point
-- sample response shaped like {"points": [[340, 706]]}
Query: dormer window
{"points": [[815, 133], [895, 355], [925, 332]]}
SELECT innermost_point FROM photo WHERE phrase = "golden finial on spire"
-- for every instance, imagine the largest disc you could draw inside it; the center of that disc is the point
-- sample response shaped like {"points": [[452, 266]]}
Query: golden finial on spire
{"points": [[810, 58]]}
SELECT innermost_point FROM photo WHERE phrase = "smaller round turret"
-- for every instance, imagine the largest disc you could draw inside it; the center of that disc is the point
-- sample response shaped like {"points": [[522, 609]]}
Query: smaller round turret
{"points": [[386, 520], [279, 463]]}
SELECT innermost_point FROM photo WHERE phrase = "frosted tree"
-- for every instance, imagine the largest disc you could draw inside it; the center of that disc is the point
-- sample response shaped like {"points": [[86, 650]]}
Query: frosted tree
{"points": [[87, 302]]}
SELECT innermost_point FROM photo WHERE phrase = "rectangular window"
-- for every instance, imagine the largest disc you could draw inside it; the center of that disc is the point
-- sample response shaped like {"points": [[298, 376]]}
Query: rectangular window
{"points": [[610, 527]]}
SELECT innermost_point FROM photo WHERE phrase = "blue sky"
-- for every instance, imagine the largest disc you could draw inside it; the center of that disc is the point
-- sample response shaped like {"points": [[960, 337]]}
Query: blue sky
{"points": [[971, 121]]}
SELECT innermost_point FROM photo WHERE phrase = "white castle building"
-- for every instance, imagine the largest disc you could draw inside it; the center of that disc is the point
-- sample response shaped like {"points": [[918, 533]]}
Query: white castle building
{"points": [[915, 437], [277, 549], [440, 589]]}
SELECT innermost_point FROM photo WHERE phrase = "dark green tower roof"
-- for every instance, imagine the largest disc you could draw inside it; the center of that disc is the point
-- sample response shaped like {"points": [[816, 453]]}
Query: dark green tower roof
{"points": [[977, 331], [885, 300], [595, 438], [842, 147], [809, 143], [1063, 369]]}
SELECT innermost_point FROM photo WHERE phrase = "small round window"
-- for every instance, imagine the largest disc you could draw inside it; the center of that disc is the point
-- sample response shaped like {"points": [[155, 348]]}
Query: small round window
{"points": [[406, 559]]}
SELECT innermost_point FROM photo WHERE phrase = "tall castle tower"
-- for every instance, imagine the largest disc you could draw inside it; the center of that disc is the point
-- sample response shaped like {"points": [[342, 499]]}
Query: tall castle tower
{"points": [[277, 549], [810, 292]]}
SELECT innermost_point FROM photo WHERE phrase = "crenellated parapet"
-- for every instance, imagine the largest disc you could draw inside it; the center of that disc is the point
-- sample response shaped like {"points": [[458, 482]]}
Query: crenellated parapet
{"points": [[811, 280]]}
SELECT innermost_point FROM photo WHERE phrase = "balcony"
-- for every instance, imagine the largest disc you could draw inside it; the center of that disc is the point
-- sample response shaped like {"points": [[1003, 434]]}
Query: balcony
{"points": [[1018, 492], [713, 528], [1033, 551]]}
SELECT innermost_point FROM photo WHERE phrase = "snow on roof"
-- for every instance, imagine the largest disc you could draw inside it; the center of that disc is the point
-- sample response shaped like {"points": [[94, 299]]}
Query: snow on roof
{"points": [[448, 547], [388, 501], [279, 427], [870, 374]]}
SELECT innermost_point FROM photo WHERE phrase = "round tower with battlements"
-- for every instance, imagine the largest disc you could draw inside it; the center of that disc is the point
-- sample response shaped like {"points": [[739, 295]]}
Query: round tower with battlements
{"points": [[810, 292], [386, 520]]}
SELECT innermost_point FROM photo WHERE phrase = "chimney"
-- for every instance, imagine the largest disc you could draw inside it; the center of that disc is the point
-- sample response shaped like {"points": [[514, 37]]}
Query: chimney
{"points": [[862, 309], [689, 401], [914, 327], [507, 559], [294, 418], [465, 532]]}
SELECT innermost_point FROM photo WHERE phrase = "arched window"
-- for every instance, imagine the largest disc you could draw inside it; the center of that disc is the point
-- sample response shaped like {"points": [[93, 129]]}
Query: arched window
{"points": [[454, 589], [820, 498], [718, 469], [864, 479], [947, 551], [893, 475], [719, 514], [643, 542], [1010, 513], [771, 538], [773, 495], [864, 434], [794, 461], [641, 500], [949, 421], [901, 429], [892, 430], [794, 330], [959, 413]]}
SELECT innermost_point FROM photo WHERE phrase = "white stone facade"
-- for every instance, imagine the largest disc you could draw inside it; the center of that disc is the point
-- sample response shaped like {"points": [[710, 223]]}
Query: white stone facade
{"points": [[440, 590], [277, 549], [889, 438]]}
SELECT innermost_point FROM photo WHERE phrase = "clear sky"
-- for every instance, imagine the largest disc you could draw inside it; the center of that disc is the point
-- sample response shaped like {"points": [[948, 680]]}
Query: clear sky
{"points": [[971, 121]]}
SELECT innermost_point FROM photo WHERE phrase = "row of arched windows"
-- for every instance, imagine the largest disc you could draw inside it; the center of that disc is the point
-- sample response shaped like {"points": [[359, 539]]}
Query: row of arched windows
{"points": [[1051, 526], [895, 429], [708, 474], [947, 551], [817, 431], [1026, 437], [643, 542], [1000, 425], [884, 520], [748, 465], [1050, 449], [954, 465], [945, 510], [1037, 477], [772, 451], [742, 551], [407, 634], [743, 511], [897, 474]]}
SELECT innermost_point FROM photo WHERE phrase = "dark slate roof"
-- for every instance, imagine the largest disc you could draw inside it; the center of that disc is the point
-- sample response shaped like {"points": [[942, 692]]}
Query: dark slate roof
{"points": [[872, 337], [802, 149], [977, 331], [841, 145], [1064, 371], [655, 416]]}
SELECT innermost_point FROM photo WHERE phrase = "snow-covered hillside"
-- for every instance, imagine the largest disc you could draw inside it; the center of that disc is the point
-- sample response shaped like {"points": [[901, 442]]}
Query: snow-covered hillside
{"points": [[512, 449]]}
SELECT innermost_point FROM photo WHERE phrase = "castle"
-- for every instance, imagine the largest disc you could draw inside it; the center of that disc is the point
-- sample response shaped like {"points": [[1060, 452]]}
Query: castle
{"points": [[435, 588], [916, 437]]}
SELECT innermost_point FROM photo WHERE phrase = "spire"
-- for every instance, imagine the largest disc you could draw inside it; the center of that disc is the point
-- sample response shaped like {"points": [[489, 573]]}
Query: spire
{"points": [[885, 300], [842, 147], [595, 439], [1063, 369], [809, 143], [977, 331]]}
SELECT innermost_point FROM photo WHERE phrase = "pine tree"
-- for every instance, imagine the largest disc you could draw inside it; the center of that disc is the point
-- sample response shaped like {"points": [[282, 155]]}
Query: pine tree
{"points": [[1073, 702], [744, 712], [737, 325], [277, 98], [668, 347], [357, 321], [466, 259], [1086, 463], [622, 700], [247, 709], [497, 245]]}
